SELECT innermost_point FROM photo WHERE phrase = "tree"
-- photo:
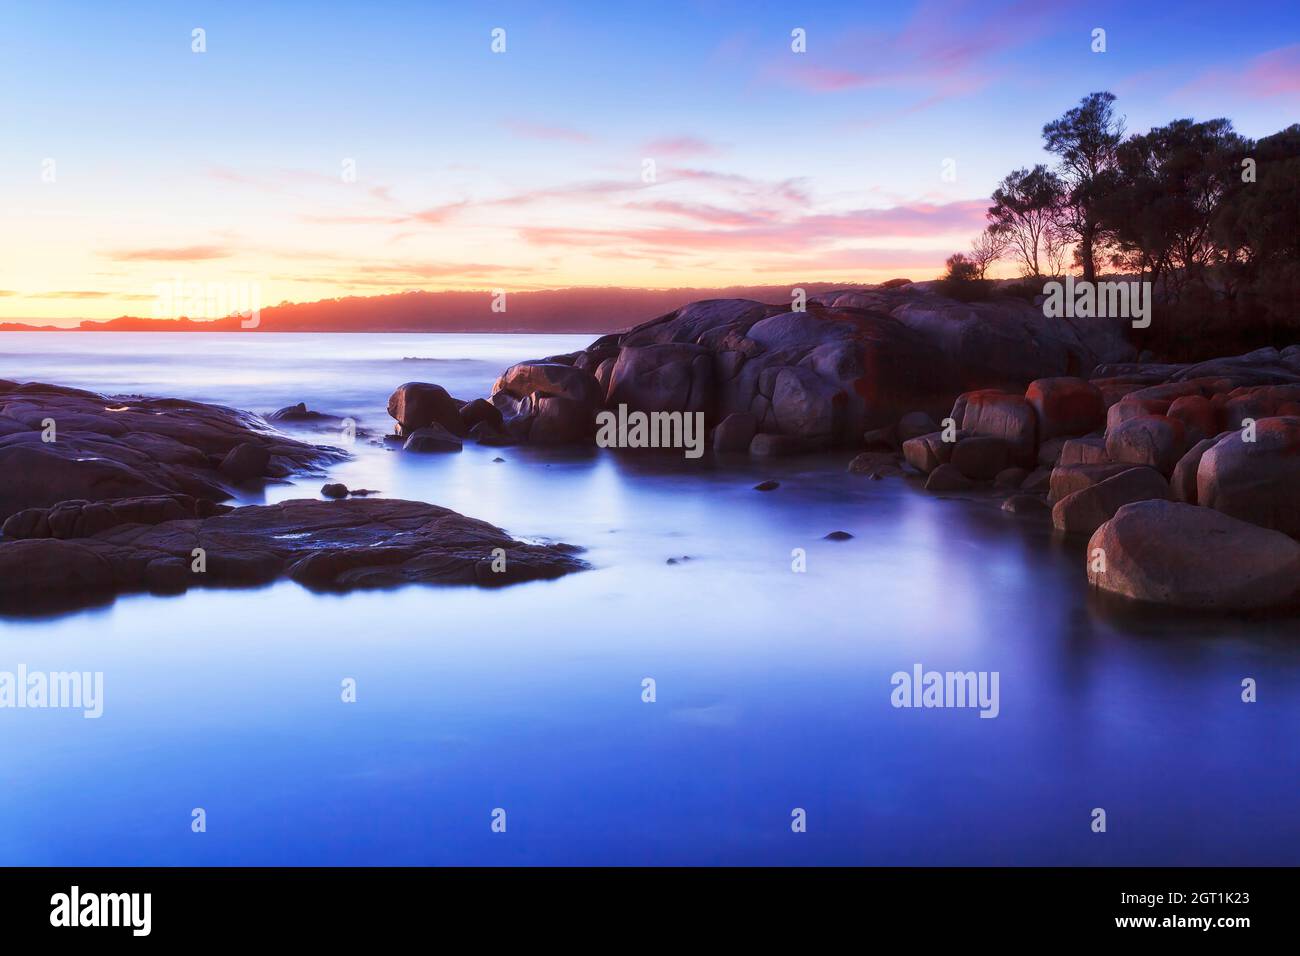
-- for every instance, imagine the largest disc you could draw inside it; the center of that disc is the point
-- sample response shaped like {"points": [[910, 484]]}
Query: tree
{"points": [[1023, 205], [1163, 196], [961, 269], [1086, 139], [986, 250]]}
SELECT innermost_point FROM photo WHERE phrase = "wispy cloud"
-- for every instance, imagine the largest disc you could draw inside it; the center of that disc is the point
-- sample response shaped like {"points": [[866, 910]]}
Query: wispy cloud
{"points": [[173, 254], [1270, 74]]}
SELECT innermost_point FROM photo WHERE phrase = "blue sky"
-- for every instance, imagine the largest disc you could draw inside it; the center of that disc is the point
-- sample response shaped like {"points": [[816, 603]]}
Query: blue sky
{"points": [[524, 169]]}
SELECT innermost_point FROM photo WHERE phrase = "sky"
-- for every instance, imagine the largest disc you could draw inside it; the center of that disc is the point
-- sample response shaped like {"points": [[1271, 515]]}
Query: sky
{"points": [[319, 150]]}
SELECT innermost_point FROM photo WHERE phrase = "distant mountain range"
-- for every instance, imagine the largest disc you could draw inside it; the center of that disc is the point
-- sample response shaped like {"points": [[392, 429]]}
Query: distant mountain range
{"points": [[562, 310]]}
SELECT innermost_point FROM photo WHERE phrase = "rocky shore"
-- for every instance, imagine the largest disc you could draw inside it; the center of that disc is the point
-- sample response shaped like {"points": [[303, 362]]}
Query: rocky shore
{"points": [[1181, 483], [100, 496], [1054, 414]]}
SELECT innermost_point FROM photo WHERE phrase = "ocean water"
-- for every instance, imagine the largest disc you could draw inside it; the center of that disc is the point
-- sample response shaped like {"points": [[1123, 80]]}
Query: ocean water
{"points": [[773, 687]]}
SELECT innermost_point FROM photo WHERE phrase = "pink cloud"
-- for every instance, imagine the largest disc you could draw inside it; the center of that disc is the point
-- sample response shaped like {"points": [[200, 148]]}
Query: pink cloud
{"points": [[1274, 73], [803, 234], [175, 254]]}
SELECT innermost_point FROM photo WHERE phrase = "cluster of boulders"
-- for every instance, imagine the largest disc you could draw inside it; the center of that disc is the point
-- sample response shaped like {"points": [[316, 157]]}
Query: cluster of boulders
{"points": [[1140, 465], [430, 420], [781, 379], [100, 496]]}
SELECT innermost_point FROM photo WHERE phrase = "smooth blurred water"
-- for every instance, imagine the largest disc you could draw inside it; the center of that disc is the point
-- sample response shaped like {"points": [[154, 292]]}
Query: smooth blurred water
{"points": [[773, 687]]}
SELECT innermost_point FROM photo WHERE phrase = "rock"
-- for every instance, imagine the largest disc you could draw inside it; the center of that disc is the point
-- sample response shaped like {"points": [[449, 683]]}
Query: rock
{"points": [[1084, 451], [548, 403], [130, 447], [82, 519], [1131, 408], [167, 575], [876, 464], [1010, 478], [549, 379], [1153, 440], [671, 377], [1038, 481], [1255, 481], [479, 410], [299, 415], [1187, 556], [1049, 452], [290, 413], [1065, 406], [42, 573], [767, 484], [1182, 483], [777, 446], [980, 458], [914, 425], [324, 545], [735, 432], [992, 414], [334, 490], [1086, 510], [947, 478], [431, 438], [855, 360], [559, 420], [928, 452], [838, 536], [1067, 479], [485, 433], [1025, 504], [417, 405], [881, 439], [245, 462], [1197, 415]]}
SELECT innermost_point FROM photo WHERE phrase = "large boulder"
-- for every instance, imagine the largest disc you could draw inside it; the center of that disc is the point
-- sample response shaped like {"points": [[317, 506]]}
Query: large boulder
{"points": [[1257, 481], [1065, 406], [663, 378], [1154, 440], [546, 403], [1086, 510], [431, 438], [1187, 556], [550, 379], [735, 432], [1067, 479], [1182, 483], [980, 458], [928, 452], [1002, 415], [417, 404], [1090, 450]]}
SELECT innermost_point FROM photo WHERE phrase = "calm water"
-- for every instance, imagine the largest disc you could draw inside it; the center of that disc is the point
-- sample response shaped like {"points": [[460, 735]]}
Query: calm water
{"points": [[773, 687]]}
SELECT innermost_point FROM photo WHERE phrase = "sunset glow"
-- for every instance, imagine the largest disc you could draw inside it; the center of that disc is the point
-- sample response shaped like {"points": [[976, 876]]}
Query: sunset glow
{"points": [[132, 162]]}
